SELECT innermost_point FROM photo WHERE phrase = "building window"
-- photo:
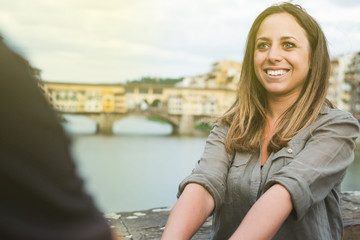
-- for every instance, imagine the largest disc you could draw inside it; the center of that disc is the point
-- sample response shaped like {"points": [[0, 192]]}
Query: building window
{"points": [[157, 91], [143, 90], [129, 90]]}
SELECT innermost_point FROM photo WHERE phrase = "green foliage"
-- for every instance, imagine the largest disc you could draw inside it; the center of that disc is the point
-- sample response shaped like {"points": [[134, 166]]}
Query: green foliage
{"points": [[159, 81], [357, 152], [203, 126], [159, 120]]}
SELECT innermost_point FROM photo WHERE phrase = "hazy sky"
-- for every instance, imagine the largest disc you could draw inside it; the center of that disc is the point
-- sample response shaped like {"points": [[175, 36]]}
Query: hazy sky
{"points": [[117, 40]]}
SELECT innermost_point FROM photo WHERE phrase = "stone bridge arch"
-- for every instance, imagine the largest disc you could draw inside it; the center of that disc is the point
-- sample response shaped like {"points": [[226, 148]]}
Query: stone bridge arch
{"points": [[174, 121]]}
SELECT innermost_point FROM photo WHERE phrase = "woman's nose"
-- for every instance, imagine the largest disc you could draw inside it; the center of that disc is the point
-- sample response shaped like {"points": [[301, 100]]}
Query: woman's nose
{"points": [[275, 54]]}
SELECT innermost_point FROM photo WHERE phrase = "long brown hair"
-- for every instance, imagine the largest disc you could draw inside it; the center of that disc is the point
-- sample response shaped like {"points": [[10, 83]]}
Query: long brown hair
{"points": [[247, 116]]}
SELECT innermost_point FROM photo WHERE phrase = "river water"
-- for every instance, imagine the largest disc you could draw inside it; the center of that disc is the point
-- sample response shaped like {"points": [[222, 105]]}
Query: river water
{"points": [[141, 166]]}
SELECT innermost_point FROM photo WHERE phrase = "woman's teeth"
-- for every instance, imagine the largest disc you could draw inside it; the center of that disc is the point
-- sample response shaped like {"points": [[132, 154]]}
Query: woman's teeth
{"points": [[276, 72]]}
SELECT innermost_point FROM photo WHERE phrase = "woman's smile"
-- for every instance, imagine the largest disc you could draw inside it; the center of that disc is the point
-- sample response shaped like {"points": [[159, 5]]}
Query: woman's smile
{"points": [[276, 73]]}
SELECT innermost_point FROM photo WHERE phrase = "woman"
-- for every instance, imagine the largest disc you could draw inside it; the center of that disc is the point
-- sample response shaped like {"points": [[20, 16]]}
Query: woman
{"points": [[273, 164]]}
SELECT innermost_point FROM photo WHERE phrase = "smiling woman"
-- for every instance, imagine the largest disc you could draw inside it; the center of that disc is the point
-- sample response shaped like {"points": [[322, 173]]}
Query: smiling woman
{"points": [[273, 164]]}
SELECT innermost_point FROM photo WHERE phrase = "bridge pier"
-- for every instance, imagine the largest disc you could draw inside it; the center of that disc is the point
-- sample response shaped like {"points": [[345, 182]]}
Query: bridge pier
{"points": [[104, 124], [187, 125]]}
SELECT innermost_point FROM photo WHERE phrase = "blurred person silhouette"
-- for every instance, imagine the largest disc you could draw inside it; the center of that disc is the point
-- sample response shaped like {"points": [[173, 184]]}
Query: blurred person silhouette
{"points": [[273, 164], [42, 197]]}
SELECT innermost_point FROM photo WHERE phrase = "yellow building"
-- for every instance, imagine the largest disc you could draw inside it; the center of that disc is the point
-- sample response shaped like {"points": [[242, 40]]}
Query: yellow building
{"points": [[88, 98]]}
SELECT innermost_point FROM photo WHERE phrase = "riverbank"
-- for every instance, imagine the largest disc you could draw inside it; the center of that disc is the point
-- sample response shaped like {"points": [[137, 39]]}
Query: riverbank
{"points": [[149, 224]]}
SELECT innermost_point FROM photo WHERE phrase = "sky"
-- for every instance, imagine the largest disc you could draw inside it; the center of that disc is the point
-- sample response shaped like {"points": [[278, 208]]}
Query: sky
{"points": [[113, 41]]}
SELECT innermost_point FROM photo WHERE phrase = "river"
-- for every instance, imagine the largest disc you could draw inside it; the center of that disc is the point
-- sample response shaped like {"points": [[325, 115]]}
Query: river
{"points": [[141, 165]]}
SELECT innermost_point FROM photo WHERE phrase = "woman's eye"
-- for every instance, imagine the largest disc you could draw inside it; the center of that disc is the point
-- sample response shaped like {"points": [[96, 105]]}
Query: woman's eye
{"points": [[288, 45], [262, 45]]}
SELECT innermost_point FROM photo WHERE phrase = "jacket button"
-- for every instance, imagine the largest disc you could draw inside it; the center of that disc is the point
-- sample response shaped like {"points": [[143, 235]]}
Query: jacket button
{"points": [[290, 150]]}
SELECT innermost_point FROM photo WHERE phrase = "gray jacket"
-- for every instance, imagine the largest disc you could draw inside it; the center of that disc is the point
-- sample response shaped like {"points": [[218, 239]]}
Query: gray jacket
{"points": [[311, 168]]}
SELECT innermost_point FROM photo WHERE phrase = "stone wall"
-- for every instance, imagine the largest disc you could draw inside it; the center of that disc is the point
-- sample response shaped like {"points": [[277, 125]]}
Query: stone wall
{"points": [[149, 224]]}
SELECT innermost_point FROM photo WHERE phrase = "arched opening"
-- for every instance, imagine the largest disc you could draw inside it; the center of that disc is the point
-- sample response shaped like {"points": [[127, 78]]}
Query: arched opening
{"points": [[142, 125], [143, 105], [78, 124], [156, 105], [131, 105]]}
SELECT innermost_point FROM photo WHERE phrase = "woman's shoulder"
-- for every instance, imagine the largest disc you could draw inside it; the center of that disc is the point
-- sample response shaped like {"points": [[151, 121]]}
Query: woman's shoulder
{"points": [[333, 114], [221, 126], [333, 118], [334, 122]]}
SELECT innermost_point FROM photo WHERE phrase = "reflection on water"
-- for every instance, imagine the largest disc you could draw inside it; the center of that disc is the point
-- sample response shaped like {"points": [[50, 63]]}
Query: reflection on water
{"points": [[136, 172]]}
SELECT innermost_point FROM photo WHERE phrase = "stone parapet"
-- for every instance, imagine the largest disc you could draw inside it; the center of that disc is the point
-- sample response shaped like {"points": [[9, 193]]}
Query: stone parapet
{"points": [[149, 224], [350, 209]]}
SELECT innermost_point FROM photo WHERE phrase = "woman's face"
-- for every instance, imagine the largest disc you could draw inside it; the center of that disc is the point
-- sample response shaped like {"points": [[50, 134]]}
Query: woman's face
{"points": [[281, 55]]}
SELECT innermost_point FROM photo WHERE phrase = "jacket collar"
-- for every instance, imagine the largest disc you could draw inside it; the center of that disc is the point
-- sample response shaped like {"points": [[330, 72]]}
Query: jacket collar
{"points": [[324, 110]]}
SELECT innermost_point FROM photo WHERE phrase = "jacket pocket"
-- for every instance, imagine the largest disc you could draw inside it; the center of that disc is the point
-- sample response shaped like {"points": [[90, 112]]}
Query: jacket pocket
{"points": [[241, 159], [288, 153]]}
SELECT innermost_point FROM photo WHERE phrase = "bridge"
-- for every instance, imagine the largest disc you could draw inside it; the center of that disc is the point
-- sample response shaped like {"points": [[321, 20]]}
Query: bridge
{"points": [[182, 107]]}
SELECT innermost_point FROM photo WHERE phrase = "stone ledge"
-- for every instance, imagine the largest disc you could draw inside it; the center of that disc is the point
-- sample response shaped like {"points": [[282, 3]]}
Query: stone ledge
{"points": [[149, 224], [350, 210]]}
